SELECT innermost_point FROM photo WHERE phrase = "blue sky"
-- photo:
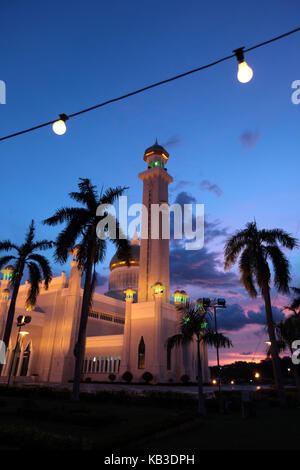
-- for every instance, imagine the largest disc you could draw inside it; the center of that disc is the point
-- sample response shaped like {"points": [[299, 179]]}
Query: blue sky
{"points": [[59, 57]]}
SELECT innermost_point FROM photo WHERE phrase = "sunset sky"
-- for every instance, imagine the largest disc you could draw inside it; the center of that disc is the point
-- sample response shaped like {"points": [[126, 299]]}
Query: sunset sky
{"points": [[233, 147]]}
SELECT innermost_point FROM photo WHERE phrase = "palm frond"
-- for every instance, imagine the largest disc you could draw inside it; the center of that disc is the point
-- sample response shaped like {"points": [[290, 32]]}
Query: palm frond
{"points": [[273, 236], [5, 260], [112, 194], [30, 234], [86, 195], [216, 340], [177, 340], [34, 278], [295, 305], [44, 266], [234, 246], [66, 214], [6, 245], [281, 268], [67, 239], [246, 270], [42, 245]]}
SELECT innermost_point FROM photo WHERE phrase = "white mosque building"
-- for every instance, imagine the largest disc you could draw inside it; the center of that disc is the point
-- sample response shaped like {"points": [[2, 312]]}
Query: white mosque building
{"points": [[127, 331]]}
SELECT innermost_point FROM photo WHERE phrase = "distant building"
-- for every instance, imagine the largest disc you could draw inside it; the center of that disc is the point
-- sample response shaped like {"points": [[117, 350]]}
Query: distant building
{"points": [[125, 332]]}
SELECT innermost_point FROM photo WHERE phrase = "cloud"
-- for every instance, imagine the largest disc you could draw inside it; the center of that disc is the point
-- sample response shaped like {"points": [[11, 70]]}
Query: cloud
{"points": [[231, 318], [234, 318], [181, 184], [173, 141], [199, 268], [185, 198], [246, 353], [260, 317], [206, 185], [101, 280], [212, 229], [249, 139]]}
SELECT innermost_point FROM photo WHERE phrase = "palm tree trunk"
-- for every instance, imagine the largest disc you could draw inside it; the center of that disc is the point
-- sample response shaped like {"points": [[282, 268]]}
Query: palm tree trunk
{"points": [[201, 402], [274, 349], [11, 310], [80, 345]]}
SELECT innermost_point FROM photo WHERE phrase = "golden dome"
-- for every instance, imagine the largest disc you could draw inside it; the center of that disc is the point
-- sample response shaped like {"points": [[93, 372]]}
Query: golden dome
{"points": [[134, 260], [156, 149]]}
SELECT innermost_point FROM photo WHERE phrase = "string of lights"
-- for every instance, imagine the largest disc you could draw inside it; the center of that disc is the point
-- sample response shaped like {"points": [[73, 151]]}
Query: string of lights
{"points": [[244, 75]]}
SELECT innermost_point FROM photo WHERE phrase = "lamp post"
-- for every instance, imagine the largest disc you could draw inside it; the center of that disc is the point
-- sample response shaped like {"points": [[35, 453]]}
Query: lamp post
{"points": [[21, 321], [219, 303]]}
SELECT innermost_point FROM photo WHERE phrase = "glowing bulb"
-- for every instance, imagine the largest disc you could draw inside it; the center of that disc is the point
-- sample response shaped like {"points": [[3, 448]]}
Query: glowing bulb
{"points": [[214, 381], [245, 73], [59, 127]]}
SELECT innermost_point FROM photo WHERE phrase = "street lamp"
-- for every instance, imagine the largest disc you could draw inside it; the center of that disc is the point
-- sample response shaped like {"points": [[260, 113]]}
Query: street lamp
{"points": [[218, 303], [21, 321]]}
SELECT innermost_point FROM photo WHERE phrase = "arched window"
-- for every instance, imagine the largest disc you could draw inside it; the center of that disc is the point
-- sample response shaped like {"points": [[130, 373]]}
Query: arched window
{"points": [[169, 357], [141, 354], [25, 361]]}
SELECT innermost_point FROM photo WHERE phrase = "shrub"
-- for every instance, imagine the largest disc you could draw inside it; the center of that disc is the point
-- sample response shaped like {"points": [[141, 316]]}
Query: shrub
{"points": [[112, 377], [147, 376], [185, 379], [127, 376]]}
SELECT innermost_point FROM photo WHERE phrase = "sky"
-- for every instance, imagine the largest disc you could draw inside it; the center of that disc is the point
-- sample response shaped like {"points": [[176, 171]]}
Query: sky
{"points": [[233, 147]]}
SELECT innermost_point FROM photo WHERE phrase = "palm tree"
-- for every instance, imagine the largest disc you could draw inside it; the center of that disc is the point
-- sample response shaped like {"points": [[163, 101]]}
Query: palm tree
{"points": [[295, 305], [26, 256], [256, 248], [81, 223], [287, 331], [194, 327]]}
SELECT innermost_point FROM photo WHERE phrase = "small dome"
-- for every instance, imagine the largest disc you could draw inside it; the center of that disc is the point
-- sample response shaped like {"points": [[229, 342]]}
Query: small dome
{"points": [[134, 258], [9, 268], [157, 150], [5, 291]]}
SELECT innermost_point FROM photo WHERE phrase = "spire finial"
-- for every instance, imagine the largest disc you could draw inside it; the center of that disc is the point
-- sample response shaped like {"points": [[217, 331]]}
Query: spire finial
{"points": [[156, 140], [135, 238]]}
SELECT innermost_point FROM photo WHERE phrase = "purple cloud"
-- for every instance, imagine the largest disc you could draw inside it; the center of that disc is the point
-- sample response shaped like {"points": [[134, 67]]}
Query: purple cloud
{"points": [[181, 184], [206, 185]]}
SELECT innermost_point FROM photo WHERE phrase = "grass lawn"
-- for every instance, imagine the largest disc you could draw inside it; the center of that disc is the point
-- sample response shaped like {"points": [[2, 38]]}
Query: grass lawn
{"points": [[46, 419], [271, 429]]}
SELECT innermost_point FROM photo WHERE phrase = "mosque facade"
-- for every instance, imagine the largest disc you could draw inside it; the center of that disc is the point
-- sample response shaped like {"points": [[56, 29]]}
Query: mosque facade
{"points": [[128, 326]]}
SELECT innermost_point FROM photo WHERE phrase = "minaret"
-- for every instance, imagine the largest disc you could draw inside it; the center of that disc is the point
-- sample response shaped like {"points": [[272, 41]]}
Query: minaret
{"points": [[154, 254]]}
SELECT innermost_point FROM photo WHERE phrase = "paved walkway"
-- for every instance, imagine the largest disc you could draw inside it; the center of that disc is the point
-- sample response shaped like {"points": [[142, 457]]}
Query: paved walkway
{"points": [[136, 388]]}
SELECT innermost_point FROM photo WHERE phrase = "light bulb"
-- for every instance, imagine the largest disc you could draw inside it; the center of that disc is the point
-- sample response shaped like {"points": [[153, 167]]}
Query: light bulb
{"points": [[59, 127], [245, 73]]}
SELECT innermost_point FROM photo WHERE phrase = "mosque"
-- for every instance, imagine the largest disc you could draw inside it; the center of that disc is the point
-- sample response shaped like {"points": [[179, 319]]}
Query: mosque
{"points": [[128, 326]]}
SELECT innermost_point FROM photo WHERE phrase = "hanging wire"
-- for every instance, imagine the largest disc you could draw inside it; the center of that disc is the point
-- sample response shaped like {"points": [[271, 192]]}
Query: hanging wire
{"points": [[153, 85]]}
